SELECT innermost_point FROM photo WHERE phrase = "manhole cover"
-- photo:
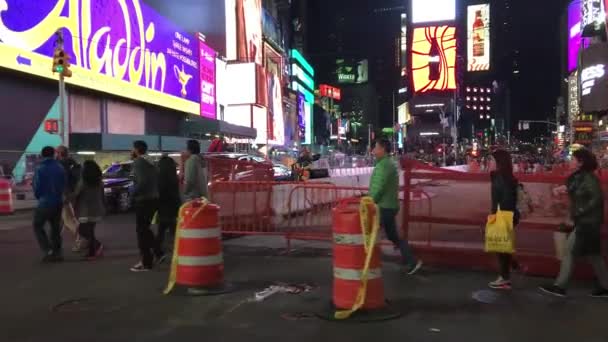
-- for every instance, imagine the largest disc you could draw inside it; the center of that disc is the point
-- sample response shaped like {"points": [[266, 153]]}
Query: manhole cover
{"points": [[85, 305], [487, 297]]}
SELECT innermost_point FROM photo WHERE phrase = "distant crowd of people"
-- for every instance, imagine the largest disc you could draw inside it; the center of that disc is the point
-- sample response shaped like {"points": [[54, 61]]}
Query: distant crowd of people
{"points": [[71, 196]]}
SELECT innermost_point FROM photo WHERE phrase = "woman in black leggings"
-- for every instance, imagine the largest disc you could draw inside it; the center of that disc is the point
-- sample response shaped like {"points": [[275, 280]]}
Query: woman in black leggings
{"points": [[504, 196]]}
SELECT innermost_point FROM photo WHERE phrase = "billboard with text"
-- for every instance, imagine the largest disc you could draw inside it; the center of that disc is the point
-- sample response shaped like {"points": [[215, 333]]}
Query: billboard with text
{"points": [[121, 48]]}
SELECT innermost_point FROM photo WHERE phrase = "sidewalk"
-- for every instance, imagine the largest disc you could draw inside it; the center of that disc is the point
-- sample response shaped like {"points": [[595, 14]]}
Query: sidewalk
{"points": [[103, 301]]}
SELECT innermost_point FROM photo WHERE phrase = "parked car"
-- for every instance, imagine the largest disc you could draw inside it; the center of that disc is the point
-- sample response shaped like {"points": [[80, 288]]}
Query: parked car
{"points": [[118, 186], [238, 167], [282, 173]]}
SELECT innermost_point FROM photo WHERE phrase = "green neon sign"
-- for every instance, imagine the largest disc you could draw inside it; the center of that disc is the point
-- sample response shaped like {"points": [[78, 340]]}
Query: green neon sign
{"points": [[295, 54]]}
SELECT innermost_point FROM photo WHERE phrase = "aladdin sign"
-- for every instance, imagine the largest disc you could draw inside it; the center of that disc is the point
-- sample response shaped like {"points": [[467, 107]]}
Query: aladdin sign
{"points": [[119, 47]]}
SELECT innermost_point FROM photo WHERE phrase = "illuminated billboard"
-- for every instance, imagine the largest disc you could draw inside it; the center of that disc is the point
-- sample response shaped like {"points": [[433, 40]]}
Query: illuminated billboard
{"points": [[207, 78], [249, 30], [426, 11], [122, 48], [434, 58], [351, 71], [478, 37], [594, 78], [302, 82], [276, 120], [574, 33]]}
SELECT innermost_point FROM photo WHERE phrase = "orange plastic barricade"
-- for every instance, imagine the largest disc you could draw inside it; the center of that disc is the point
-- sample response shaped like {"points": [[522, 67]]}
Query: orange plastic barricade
{"points": [[6, 198], [198, 261]]}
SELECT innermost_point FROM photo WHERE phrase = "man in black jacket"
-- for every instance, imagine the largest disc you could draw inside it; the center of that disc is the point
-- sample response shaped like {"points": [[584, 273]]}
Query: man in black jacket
{"points": [[145, 193]]}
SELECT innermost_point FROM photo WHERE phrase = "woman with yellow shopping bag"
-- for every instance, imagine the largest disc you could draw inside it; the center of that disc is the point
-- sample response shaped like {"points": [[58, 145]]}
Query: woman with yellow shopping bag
{"points": [[500, 233]]}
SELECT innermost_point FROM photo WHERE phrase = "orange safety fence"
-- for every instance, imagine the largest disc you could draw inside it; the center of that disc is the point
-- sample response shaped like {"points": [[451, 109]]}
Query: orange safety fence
{"points": [[296, 210], [443, 214], [448, 227]]}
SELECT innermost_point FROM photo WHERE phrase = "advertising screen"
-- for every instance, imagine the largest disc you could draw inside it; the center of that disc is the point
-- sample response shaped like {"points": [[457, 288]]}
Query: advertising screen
{"points": [[125, 49], [425, 11], [403, 114], [574, 34], [478, 37], [249, 30], [351, 71], [594, 79], [240, 77], [276, 121], [208, 84], [434, 58]]}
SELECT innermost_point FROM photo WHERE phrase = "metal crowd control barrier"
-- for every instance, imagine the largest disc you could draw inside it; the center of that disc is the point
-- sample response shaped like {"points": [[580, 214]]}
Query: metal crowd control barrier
{"points": [[443, 214], [450, 231]]}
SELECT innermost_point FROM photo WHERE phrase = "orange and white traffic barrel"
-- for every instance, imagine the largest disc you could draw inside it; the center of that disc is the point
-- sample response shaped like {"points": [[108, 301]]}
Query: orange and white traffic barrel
{"points": [[6, 198], [356, 257], [198, 261]]}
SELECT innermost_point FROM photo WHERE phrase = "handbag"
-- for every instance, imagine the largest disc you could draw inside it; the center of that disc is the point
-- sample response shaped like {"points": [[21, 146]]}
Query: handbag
{"points": [[69, 219], [500, 233]]}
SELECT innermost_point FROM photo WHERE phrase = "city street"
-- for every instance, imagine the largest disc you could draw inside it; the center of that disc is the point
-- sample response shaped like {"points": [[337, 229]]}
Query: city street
{"points": [[103, 301]]}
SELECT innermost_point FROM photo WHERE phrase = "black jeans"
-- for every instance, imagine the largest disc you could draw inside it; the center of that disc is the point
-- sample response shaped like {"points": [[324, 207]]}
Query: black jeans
{"points": [[165, 226], [87, 231], [388, 220], [506, 263], [53, 217], [147, 243]]}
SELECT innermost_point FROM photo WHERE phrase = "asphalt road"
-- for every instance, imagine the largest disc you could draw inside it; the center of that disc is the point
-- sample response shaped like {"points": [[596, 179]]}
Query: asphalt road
{"points": [[103, 301]]}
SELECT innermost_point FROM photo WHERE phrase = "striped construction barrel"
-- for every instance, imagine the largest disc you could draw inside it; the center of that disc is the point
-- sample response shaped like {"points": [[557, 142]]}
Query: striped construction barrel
{"points": [[349, 259], [200, 261], [6, 198]]}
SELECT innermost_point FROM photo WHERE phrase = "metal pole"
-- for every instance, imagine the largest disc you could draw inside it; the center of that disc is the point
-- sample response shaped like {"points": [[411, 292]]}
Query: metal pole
{"points": [[62, 106], [393, 123], [63, 112]]}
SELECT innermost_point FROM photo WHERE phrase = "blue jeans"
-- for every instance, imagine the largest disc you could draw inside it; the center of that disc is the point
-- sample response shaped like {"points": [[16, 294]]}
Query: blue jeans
{"points": [[388, 220]]}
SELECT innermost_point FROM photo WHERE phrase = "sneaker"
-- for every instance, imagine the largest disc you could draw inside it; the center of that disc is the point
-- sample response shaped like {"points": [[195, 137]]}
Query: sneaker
{"points": [[161, 259], [139, 267], [553, 290], [600, 293], [500, 284], [413, 269]]}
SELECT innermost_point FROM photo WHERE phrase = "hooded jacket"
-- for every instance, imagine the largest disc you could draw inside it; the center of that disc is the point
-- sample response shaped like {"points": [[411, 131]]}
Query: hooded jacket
{"points": [[195, 178]]}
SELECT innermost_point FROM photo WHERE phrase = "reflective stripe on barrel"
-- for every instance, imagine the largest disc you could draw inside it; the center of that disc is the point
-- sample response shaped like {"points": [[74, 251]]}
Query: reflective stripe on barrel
{"points": [[205, 233], [349, 239], [356, 275], [211, 260]]}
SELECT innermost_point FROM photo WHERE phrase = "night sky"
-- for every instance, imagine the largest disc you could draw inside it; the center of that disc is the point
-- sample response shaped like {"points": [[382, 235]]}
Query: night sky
{"points": [[536, 34]]}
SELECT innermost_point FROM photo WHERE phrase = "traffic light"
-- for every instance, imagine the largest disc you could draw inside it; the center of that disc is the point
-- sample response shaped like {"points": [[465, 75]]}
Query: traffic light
{"points": [[61, 63]]}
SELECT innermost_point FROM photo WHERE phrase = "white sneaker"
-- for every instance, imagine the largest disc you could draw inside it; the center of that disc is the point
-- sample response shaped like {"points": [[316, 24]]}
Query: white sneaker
{"points": [[412, 270], [500, 284]]}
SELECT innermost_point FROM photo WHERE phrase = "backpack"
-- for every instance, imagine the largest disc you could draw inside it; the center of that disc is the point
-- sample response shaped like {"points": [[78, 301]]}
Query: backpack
{"points": [[524, 201]]}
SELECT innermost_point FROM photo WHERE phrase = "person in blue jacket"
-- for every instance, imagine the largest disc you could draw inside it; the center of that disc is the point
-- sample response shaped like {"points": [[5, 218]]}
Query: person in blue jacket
{"points": [[49, 188]]}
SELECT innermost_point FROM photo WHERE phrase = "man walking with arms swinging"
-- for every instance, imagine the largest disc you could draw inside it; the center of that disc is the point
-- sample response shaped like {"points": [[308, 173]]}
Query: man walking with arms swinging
{"points": [[384, 189]]}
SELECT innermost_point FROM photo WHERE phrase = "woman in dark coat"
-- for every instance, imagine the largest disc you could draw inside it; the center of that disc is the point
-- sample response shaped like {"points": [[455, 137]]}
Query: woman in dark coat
{"points": [[169, 202], [504, 196], [89, 206], [587, 216]]}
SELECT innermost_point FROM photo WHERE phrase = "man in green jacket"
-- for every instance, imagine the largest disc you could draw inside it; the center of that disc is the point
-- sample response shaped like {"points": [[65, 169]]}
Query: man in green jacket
{"points": [[384, 189]]}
